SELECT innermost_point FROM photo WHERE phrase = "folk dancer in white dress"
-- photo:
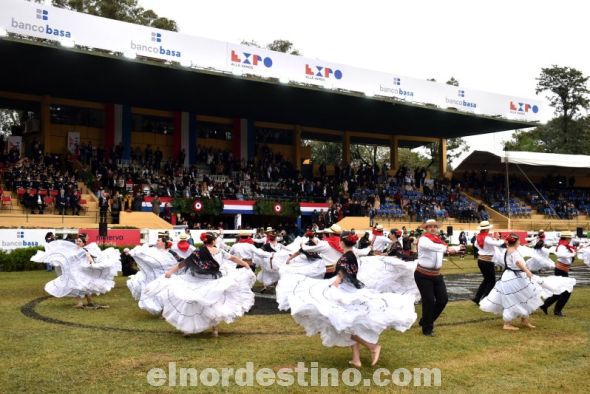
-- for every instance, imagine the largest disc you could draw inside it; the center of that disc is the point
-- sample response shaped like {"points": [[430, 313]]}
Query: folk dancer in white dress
{"points": [[153, 262], [519, 293], [486, 245], [342, 311], [329, 248], [390, 272], [201, 296], [84, 270], [269, 270], [539, 254], [429, 280]]}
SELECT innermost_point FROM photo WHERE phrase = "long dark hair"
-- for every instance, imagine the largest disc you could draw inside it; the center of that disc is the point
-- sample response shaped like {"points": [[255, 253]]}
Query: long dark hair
{"points": [[201, 262]]}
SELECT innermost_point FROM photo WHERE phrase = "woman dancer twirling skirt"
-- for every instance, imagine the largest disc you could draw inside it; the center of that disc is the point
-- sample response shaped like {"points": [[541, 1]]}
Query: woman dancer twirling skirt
{"points": [[342, 311], [206, 294], [519, 293], [85, 270]]}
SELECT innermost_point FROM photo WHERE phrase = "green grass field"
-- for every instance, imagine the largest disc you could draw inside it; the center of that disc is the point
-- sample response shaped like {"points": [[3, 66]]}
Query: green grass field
{"points": [[472, 351]]}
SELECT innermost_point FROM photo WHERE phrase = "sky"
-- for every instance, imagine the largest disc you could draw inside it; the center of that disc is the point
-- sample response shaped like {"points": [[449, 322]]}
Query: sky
{"points": [[498, 46]]}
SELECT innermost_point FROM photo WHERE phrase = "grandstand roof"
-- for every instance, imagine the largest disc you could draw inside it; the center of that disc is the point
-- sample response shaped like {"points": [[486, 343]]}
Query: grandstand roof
{"points": [[532, 163], [45, 69]]}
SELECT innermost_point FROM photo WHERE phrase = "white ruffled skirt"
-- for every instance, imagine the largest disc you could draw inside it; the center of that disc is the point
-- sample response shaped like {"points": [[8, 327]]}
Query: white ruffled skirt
{"points": [[540, 261], [290, 273], [152, 264], [194, 304], [387, 274], [515, 295], [77, 276], [585, 256], [269, 273], [337, 313]]}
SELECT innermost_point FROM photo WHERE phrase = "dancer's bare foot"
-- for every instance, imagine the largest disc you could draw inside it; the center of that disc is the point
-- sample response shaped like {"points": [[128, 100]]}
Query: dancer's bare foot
{"points": [[215, 332], [375, 355], [527, 323], [510, 327], [356, 364], [79, 306]]}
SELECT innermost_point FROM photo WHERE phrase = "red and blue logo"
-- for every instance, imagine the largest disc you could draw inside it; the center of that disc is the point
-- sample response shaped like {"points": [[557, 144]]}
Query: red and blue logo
{"points": [[322, 72], [250, 60], [523, 108]]}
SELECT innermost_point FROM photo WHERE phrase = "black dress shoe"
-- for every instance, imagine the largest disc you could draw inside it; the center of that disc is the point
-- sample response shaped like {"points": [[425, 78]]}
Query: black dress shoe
{"points": [[475, 301], [544, 309], [559, 314]]}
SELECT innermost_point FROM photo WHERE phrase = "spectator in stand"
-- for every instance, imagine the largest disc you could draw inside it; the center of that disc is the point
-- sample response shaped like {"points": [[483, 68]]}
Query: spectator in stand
{"points": [[37, 203], [156, 204], [75, 203], [116, 204], [137, 202], [103, 206], [62, 202]]}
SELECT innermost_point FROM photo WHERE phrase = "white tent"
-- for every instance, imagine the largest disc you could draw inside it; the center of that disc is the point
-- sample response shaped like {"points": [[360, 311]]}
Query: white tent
{"points": [[545, 159], [533, 163]]}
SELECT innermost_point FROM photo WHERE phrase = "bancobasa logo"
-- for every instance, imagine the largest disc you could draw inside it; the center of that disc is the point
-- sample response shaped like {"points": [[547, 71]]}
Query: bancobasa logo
{"points": [[44, 29], [155, 49], [19, 244], [461, 103]]}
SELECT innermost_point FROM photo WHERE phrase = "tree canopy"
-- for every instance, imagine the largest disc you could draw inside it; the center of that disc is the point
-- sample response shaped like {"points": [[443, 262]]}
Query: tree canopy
{"points": [[121, 10], [568, 132], [284, 46]]}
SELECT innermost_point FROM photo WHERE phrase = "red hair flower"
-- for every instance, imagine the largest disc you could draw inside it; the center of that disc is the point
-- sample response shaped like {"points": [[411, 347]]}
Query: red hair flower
{"points": [[203, 237], [352, 237]]}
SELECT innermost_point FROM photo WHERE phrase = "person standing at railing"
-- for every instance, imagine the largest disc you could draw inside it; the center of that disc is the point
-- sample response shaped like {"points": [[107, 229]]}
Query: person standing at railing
{"points": [[103, 206]]}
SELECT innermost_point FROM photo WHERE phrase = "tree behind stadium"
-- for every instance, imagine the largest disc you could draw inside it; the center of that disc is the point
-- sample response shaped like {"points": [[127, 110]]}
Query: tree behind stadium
{"points": [[121, 10], [567, 133]]}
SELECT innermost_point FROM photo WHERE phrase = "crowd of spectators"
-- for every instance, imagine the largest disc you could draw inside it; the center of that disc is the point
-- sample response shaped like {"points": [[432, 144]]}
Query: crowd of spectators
{"points": [[43, 181], [351, 190], [553, 196]]}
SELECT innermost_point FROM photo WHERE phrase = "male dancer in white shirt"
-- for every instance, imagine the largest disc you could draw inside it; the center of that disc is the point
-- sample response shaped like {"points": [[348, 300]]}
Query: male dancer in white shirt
{"points": [[428, 278]]}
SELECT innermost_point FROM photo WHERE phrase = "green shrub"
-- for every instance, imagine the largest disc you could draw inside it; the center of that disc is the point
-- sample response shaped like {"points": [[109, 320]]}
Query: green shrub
{"points": [[19, 260]]}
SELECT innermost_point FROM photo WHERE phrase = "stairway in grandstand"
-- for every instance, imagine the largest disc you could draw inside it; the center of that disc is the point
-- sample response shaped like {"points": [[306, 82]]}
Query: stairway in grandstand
{"points": [[13, 214]]}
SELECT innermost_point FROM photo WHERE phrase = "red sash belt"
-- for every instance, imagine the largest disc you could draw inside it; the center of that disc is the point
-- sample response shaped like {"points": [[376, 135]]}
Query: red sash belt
{"points": [[428, 271], [563, 267]]}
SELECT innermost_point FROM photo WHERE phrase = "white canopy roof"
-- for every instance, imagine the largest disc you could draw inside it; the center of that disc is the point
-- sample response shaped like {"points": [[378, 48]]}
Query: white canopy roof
{"points": [[545, 159], [538, 164]]}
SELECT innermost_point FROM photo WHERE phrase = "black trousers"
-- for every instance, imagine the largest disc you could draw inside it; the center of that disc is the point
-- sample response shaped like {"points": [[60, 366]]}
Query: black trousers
{"points": [[434, 298], [489, 279], [561, 299]]}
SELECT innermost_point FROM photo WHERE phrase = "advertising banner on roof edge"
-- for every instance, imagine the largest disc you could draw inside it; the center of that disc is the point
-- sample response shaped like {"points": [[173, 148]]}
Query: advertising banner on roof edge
{"points": [[73, 28]]}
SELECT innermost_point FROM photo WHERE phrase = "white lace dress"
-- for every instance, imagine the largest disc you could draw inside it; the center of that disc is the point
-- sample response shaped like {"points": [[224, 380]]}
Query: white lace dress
{"points": [[194, 303], [515, 295], [78, 277]]}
